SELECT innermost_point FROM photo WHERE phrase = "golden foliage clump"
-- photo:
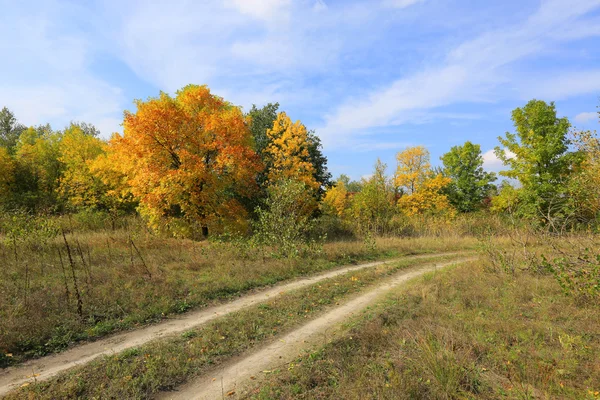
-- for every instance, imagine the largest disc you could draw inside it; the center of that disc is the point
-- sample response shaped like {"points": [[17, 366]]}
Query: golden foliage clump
{"points": [[335, 200], [428, 198], [78, 185], [288, 152], [6, 172], [422, 189], [187, 159], [413, 168]]}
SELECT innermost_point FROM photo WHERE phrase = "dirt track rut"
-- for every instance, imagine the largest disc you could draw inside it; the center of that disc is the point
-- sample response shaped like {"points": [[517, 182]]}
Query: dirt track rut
{"points": [[225, 381]]}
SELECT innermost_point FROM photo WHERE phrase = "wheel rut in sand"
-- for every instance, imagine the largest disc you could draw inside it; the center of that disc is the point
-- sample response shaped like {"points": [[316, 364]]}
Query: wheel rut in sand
{"points": [[225, 380], [47, 367]]}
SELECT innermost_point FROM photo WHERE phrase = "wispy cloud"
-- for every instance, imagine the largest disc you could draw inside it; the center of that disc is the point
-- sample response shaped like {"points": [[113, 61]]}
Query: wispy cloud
{"points": [[472, 72], [47, 75], [586, 117]]}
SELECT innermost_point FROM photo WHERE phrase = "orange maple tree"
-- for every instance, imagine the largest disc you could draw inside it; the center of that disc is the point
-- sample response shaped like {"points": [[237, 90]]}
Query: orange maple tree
{"points": [[188, 160]]}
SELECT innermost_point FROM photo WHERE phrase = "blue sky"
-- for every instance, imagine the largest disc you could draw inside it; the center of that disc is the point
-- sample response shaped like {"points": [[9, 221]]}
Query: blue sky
{"points": [[371, 76]]}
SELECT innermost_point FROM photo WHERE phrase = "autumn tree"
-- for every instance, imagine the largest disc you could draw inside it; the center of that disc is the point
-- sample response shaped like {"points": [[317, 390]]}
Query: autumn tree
{"points": [[10, 130], [584, 187], [277, 138], [470, 183], [78, 150], [542, 161], [6, 175], [428, 198], [287, 155], [422, 190], [413, 168], [335, 200], [189, 158], [117, 197], [37, 168]]}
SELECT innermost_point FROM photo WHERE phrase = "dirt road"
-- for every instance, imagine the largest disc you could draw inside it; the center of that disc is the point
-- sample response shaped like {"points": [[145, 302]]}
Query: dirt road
{"points": [[226, 381], [49, 366]]}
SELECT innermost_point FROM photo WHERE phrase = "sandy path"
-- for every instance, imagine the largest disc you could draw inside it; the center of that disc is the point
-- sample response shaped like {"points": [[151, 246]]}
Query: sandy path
{"points": [[226, 380], [49, 366]]}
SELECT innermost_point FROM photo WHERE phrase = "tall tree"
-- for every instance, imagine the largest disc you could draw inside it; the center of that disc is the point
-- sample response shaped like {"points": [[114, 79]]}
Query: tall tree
{"points": [[288, 153], [542, 162], [351, 186], [10, 130], [470, 184], [413, 168], [188, 158]]}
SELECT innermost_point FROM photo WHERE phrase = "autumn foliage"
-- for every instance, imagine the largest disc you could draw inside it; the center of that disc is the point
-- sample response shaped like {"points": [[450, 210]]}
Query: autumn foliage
{"points": [[288, 152], [188, 160]]}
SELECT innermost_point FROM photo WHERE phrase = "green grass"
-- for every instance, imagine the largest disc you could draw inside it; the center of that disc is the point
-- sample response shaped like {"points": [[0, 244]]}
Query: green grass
{"points": [[463, 333], [161, 365]]}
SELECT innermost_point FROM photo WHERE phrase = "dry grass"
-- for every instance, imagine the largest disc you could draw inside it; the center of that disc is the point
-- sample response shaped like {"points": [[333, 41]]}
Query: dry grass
{"points": [[463, 333], [49, 300]]}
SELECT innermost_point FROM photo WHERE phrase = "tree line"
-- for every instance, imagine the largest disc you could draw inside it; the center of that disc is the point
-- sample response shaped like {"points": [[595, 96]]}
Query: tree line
{"points": [[193, 163]]}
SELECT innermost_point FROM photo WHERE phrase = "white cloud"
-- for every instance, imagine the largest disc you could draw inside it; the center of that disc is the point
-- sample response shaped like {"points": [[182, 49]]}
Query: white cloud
{"points": [[267, 10], [586, 117], [472, 72], [491, 162], [400, 3]]}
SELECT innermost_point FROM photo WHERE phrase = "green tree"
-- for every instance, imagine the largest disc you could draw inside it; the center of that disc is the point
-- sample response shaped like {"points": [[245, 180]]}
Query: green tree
{"points": [[470, 183], [538, 157], [10, 130], [262, 119], [374, 206], [351, 186], [284, 220]]}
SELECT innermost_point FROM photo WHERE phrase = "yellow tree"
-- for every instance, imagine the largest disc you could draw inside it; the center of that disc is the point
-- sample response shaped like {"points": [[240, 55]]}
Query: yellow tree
{"points": [[428, 198], [422, 189], [335, 200], [584, 186], [108, 168], [288, 154], [188, 160], [413, 168], [37, 153], [78, 185], [6, 173]]}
